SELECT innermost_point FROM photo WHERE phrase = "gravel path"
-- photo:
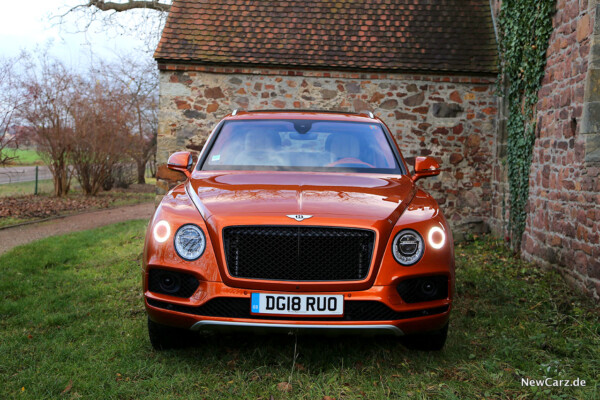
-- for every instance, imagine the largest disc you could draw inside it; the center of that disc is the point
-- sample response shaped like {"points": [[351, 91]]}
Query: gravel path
{"points": [[13, 237]]}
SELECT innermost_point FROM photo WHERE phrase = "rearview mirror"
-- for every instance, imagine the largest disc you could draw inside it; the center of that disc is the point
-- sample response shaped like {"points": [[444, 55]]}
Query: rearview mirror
{"points": [[182, 162], [425, 166]]}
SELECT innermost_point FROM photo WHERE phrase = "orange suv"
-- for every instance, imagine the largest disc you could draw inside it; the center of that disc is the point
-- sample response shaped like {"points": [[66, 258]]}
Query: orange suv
{"points": [[299, 220]]}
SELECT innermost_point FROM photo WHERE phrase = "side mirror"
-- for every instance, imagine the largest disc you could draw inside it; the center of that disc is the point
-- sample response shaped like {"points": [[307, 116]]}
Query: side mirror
{"points": [[425, 166], [182, 162]]}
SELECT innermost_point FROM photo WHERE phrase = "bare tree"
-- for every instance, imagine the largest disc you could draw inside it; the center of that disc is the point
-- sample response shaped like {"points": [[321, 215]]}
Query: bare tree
{"points": [[6, 142], [10, 100], [100, 119], [141, 18], [139, 82], [119, 6], [49, 93]]}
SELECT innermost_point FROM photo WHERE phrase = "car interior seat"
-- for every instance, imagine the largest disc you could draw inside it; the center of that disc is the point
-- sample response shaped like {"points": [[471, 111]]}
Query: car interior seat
{"points": [[343, 146], [260, 148]]}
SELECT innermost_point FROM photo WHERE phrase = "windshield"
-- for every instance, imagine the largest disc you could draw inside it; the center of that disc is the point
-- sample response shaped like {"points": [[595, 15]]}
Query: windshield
{"points": [[301, 145]]}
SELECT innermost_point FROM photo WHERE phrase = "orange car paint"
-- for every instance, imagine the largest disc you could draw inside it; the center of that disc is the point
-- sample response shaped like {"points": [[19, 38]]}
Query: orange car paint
{"points": [[383, 203]]}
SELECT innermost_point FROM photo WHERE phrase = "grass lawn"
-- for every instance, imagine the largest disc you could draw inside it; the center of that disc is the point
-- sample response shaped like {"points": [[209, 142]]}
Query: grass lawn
{"points": [[24, 157], [72, 325], [44, 187], [23, 188]]}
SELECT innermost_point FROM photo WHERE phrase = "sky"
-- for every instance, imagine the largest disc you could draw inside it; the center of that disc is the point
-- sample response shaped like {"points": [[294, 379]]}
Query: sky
{"points": [[25, 24]]}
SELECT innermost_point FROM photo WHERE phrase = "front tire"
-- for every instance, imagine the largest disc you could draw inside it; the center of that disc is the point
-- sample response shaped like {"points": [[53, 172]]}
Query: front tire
{"points": [[429, 341], [166, 337]]}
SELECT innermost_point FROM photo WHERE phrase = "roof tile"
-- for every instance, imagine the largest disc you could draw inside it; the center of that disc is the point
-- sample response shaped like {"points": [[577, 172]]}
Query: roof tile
{"points": [[419, 35]]}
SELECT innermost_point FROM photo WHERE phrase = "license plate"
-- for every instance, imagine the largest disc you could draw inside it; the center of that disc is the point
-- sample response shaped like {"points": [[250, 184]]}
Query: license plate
{"points": [[297, 304]]}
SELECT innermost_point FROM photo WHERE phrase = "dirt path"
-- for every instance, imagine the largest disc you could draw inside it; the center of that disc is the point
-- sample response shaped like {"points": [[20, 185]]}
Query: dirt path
{"points": [[12, 237]]}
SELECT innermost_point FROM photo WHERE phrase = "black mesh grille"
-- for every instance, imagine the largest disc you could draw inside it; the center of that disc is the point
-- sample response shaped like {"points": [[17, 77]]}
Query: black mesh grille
{"points": [[423, 289], [184, 285], [358, 310], [292, 253]]}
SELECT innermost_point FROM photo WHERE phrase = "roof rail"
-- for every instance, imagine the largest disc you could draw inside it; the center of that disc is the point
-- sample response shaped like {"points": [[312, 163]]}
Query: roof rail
{"points": [[366, 113], [302, 110]]}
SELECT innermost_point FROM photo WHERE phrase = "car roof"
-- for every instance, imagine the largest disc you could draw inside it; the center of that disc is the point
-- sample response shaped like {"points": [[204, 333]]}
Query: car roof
{"points": [[303, 114]]}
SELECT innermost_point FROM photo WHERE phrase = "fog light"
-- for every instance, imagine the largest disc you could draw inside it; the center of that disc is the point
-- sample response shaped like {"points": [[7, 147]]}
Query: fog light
{"points": [[428, 288], [162, 231], [169, 282], [173, 283]]}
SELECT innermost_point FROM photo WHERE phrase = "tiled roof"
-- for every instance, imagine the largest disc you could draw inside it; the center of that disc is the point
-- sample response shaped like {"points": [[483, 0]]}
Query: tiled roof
{"points": [[402, 35]]}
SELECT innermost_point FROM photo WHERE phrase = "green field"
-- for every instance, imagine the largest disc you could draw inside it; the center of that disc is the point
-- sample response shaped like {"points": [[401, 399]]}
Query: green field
{"points": [[24, 157], [44, 187], [21, 188], [72, 325]]}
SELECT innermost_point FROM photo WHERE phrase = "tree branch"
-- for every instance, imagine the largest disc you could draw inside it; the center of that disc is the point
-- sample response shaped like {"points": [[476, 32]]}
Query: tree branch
{"points": [[129, 5]]}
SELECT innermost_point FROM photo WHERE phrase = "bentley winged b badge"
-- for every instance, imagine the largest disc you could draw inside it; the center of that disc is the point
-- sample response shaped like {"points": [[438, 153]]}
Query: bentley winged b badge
{"points": [[299, 217]]}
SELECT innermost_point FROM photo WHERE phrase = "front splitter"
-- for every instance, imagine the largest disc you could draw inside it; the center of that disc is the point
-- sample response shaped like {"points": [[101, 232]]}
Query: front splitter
{"points": [[318, 329]]}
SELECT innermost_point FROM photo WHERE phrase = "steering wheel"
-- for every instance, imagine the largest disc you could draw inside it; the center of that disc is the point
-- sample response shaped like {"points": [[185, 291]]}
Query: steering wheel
{"points": [[349, 160]]}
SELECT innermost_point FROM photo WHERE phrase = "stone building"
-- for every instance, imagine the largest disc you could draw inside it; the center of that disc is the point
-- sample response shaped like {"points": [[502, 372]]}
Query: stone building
{"points": [[428, 70]]}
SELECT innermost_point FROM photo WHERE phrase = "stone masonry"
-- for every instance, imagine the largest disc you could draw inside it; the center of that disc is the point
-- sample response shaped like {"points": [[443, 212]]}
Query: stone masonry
{"points": [[563, 224], [450, 118]]}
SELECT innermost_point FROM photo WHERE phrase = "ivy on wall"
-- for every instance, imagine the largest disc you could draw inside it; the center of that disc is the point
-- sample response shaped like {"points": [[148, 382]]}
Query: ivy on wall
{"points": [[524, 28]]}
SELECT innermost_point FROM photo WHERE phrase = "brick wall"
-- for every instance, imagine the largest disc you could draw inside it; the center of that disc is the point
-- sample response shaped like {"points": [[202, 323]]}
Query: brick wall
{"points": [[448, 117], [563, 224]]}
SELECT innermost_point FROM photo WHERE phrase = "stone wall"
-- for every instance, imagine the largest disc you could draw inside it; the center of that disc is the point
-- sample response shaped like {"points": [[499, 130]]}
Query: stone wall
{"points": [[448, 117], [563, 224]]}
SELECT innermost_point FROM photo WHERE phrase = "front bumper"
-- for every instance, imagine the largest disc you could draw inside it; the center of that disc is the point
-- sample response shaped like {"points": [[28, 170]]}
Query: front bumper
{"points": [[259, 327], [216, 306]]}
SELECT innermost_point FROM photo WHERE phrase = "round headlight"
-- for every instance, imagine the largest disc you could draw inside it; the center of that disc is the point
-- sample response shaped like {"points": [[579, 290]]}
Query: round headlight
{"points": [[162, 231], [437, 237], [408, 247], [190, 242]]}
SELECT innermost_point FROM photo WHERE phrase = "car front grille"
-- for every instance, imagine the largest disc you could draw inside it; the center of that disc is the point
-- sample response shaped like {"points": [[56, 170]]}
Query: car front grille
{"points": [[292, 253], [354, 310]]}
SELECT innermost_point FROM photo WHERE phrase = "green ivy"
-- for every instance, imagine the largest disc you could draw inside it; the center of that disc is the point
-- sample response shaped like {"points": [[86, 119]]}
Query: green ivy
{"points": [[524, 28]]}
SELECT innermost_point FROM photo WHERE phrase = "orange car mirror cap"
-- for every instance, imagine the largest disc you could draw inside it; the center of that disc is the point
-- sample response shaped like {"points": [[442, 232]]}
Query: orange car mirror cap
{"points": [[181, 161], [425, 166]]}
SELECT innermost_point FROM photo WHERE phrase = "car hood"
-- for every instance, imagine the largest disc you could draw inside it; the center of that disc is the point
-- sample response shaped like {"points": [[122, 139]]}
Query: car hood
{"points": [[224, 198]]}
